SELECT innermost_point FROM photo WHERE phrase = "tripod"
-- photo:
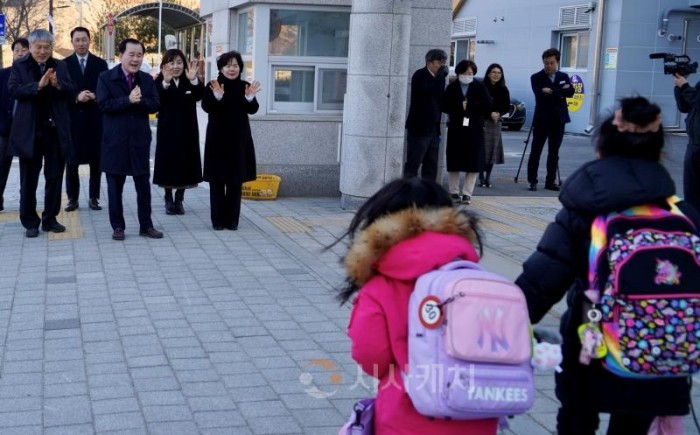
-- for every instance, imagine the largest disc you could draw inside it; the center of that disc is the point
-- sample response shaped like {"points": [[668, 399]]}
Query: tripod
{"points": [[527, 139]]}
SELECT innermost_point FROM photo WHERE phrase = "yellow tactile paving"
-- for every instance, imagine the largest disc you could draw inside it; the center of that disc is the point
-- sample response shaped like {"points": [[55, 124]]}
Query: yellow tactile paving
{"points": [[499, 227], [9, 216], [486, 205], [288, 224], [74, 228]]}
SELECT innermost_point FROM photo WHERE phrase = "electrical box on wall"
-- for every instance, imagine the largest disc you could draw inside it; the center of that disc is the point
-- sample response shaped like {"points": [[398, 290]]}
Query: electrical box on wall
{"points": [[695, 3]]}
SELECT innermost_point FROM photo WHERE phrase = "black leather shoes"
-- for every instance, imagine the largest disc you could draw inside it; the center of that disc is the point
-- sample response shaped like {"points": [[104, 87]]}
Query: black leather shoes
{"points": [[232, 227], [533, 187], [179, 208], [553, 187], [72, 205], [94, 204], [53, 227], [32, 232], [118, 234], [151, 233], [217, 227]]}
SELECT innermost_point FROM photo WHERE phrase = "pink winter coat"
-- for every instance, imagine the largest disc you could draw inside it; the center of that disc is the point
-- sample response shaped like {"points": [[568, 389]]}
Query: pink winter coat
{"points": [[385, 259]]}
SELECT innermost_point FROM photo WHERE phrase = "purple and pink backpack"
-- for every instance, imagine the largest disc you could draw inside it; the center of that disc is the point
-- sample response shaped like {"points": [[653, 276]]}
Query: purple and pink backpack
{"points": [[469, 345]]}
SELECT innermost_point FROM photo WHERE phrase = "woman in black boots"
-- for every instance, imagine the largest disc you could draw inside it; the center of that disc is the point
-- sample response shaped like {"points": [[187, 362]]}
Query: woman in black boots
{"points": [[178, 164]]}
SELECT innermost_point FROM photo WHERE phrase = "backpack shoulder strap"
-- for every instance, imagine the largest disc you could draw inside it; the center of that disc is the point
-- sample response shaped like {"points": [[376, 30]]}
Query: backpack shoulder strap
{"points": [[683, 207], [599, 238]]}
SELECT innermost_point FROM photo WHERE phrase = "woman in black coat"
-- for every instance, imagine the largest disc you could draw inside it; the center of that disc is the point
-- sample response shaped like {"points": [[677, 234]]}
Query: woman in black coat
{"points": [[495, 82], [467, 103], [627, 173], [229, 154], [178, 164]]}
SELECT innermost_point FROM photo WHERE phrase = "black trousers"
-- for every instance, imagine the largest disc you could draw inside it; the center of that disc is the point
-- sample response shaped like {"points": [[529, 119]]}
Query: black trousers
{"points": [[115, 188], [73, 181], [553, 133], [422, 150], [225, 201], [691, 175], [47, 151]]}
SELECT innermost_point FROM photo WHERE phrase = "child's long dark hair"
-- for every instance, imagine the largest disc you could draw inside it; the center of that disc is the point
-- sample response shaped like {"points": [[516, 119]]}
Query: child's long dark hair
{"points": [[395, 196], [640, 114]]}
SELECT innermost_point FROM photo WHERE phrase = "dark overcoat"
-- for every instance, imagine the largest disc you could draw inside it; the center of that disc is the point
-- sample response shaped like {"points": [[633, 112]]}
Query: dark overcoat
{"points": [[178, 161], [560, 267], [551, 107], [86, 119], [23, 86], [126, 130], [465, 144], [229, 153], [426, 96]]}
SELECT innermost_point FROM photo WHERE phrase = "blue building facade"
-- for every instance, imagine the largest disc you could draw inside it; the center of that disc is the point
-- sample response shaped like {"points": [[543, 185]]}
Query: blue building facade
{"points": [[605, 44]]}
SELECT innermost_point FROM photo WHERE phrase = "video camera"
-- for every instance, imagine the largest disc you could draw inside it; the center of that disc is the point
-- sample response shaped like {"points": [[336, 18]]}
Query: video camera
{"points": [[676, 63]]}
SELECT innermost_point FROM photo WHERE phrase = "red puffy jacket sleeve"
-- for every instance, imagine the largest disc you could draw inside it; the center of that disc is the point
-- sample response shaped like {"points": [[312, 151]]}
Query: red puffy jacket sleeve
{"points": [[371, 346]]}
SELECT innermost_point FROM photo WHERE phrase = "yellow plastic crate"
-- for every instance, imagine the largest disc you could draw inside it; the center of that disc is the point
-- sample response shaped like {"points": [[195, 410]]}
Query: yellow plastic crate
{"points": [[264, 187]]}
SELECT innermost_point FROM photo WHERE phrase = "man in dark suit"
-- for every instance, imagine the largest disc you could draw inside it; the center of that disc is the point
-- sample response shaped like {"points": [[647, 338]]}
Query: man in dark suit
{"points": [[20, 47], [423, 122], [551, 87], [40, 133], [126, 96], [86, 119]]}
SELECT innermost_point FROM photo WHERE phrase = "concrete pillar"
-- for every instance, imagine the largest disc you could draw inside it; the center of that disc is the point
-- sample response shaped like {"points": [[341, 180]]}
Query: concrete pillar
{"points": [[399, 32], [375, 102]]}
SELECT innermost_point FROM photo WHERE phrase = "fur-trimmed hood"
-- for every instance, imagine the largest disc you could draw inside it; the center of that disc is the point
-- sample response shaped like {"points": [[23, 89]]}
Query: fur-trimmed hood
{"points": [[410, 242]]}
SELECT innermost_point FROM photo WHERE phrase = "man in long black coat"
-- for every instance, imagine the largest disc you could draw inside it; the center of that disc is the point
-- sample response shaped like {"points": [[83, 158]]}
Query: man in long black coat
{"points": [[551, 88], [40, 133], [424, 114], [126, 96], [86, 119]]}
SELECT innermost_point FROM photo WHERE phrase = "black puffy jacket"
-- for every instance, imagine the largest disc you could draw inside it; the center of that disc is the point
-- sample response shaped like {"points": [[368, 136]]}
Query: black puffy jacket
{"points": [[560, 266]]}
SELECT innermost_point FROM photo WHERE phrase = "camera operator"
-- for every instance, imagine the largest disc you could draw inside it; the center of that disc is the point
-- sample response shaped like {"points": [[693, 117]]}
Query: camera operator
{"points": [[688, 101]]}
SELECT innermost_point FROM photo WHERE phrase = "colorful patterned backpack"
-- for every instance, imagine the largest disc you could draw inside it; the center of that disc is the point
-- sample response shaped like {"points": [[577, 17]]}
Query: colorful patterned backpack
{"points": [[644, 276]]}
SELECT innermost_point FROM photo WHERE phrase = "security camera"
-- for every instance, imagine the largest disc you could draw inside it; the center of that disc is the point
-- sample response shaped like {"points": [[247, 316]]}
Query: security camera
{"points": [[589, 129]]}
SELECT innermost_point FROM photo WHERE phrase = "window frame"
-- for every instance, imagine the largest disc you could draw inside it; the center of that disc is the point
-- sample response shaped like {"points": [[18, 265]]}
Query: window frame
{"points": [[317, 63], [300, 108], [574, 33], [471, 50]]}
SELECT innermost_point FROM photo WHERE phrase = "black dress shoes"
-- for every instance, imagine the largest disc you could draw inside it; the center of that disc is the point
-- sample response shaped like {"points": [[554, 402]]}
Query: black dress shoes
{"points": [[552, 186], [53, 227], [32, 232], [118, 234], [72, 205], [533, 187], [94, 204], [151, 233]]}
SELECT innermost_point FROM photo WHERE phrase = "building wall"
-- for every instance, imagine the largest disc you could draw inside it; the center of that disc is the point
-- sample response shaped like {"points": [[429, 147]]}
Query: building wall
{"points": [[522, 30], [302, 149]]}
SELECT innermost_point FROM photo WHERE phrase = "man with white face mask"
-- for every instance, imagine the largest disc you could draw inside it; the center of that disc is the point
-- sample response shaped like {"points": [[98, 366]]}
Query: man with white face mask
{"points": [[423, 123]]}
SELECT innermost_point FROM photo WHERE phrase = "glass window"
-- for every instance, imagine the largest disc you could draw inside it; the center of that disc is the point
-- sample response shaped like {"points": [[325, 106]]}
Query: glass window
{"points": [[332, 85], [574, 50], [309, 33], [245, 32], [293, 88], [461, 49]]}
